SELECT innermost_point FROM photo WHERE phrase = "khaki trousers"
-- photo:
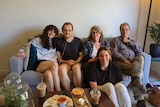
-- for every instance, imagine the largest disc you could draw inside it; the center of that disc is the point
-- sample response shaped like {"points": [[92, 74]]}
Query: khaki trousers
{"points": [[135, 69]]}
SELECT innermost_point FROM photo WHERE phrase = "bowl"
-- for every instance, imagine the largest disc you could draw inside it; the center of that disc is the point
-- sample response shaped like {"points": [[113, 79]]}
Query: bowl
{"points": [[78, 92], [62, 101]]}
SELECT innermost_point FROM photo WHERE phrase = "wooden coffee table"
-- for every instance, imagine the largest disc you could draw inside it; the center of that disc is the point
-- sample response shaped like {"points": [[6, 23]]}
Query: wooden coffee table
{"points": [[104, 99]]}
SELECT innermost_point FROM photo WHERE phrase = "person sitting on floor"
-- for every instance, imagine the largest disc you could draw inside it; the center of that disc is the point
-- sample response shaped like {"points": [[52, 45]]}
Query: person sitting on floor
{"points": [[107, 77]]}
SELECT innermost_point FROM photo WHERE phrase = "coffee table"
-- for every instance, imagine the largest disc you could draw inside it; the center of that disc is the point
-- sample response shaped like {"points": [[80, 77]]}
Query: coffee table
{"points": [[104, 99]]}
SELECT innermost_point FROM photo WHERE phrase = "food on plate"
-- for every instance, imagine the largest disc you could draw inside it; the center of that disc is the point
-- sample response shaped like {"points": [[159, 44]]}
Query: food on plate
{"points": [[55, 97], [81, 101], [69, 103], [55, 100], [78, 92], [50, 101]]}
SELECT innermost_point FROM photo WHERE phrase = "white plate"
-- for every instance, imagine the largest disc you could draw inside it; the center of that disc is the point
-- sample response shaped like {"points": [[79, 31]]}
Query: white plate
{"points": [[52, 101], [46, 103]]}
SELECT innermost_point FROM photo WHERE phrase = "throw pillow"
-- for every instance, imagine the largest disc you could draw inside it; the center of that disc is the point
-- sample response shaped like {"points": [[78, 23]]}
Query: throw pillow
{"points": [[32, 58]]}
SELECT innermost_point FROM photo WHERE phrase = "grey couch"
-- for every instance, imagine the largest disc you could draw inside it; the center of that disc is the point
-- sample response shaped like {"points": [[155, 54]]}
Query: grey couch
{"points": [[32, 77]]}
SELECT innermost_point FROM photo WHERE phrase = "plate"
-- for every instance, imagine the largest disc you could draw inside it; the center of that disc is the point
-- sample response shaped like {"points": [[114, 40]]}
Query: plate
{"points": [[52, 101]]}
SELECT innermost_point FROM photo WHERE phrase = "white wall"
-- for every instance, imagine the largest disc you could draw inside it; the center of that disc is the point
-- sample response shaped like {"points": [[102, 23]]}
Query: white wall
{"points": [[21, 19], [154, 17]]}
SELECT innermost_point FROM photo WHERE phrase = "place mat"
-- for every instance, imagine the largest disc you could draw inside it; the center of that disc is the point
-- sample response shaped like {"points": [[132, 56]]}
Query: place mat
{"points": [[75, 100]]}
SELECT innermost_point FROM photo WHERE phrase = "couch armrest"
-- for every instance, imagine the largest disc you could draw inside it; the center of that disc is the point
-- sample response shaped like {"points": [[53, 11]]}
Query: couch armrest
{"points": [[146, 68], [16, 64]]}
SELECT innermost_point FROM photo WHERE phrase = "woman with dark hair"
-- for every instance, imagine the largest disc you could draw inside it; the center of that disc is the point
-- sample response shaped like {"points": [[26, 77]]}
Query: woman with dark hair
{"points": [[46, 56], [107, 77], [45, 38]]}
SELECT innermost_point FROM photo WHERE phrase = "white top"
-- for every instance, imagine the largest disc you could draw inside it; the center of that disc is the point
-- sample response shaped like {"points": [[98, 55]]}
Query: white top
{"points": [[94, 52], [42, 53]]}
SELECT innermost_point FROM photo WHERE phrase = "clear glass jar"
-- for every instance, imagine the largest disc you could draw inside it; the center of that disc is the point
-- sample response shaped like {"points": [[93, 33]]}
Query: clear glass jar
{"points": [[16, 92]]}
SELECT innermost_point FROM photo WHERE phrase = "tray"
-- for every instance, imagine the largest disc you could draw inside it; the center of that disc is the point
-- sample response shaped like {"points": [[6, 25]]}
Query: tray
{"points": [[75, 99]]}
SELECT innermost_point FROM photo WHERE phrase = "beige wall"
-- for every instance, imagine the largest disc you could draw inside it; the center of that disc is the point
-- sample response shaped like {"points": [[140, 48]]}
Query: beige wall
{"points": [[154, 17], [21, 19]]}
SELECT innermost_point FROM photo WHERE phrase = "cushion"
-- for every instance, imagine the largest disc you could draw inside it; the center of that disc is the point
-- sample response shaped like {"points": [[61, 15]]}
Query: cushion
{"points": [[31, 77], [32, 58]]}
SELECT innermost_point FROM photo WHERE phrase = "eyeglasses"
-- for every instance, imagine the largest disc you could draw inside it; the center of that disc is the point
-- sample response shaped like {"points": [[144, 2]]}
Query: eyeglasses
{"points": [[94, 32]]}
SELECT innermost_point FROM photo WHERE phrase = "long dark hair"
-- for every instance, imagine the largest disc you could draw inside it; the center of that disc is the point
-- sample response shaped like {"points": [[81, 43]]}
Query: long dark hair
{"points": [[44, 36]]}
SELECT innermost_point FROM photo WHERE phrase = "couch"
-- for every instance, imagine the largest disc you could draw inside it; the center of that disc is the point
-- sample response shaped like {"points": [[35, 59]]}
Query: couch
{"points": [[16, 65]]}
